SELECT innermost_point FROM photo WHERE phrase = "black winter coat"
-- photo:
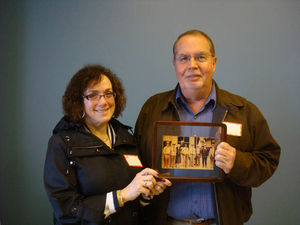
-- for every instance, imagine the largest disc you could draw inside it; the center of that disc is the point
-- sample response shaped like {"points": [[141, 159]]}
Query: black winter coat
{"points": [[80, 170]]}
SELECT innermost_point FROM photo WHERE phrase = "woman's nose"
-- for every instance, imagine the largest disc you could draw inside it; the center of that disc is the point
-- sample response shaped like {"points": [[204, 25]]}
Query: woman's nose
{"points": [[102, 100]]}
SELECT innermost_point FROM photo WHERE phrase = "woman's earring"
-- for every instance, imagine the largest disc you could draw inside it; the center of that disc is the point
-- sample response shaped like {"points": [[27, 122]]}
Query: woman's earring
{"points": [[83, 114]]}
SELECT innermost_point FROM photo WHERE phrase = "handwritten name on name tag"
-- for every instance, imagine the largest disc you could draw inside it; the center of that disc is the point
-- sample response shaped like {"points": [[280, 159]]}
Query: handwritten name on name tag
{"points": [[234, 129]]}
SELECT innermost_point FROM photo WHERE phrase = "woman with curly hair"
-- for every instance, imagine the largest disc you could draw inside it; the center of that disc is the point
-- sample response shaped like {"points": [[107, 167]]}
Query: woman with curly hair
{"points": [[93, 174]]}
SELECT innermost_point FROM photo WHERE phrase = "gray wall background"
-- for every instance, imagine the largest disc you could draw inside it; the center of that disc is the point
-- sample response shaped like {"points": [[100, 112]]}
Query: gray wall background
{"points": [[43, 43]]}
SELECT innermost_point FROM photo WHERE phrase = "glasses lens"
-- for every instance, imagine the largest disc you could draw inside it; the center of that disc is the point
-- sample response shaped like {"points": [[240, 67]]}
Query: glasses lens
{"points": [[201, 57], [182, 59], [92, 97], [109, 95]]}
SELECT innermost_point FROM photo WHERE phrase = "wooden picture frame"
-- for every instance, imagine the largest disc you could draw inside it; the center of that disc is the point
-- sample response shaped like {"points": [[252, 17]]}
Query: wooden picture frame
{"points": [[184, 151]]}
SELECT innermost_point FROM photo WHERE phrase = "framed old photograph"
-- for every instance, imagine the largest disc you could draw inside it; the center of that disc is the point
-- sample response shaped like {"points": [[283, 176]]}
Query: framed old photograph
{"points": [[184, 151]]}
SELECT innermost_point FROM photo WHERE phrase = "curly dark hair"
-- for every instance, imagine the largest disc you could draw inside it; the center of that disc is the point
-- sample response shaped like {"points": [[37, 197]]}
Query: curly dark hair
{"points": [[72, 100]]}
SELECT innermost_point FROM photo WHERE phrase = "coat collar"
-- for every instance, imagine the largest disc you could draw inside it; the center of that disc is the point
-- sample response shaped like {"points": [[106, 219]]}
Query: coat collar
{"points": [[224, 99]]}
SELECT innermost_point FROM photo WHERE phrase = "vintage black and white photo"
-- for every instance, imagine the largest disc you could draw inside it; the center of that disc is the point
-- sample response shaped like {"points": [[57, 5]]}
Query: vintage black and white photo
{"points": [[188, 152]]}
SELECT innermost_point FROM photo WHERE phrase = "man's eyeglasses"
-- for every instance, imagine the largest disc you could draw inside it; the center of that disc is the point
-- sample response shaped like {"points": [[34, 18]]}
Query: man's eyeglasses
{"points": [[97, 96], [199, 57]]}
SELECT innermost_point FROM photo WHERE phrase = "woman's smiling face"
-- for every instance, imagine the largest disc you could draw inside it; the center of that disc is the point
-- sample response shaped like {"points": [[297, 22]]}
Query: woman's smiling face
{"points": [[99, 112]]}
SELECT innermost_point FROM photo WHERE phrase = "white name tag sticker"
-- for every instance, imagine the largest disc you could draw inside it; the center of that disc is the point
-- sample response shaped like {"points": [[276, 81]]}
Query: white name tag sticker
{"points": [[133, 160], [234, 129]]}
